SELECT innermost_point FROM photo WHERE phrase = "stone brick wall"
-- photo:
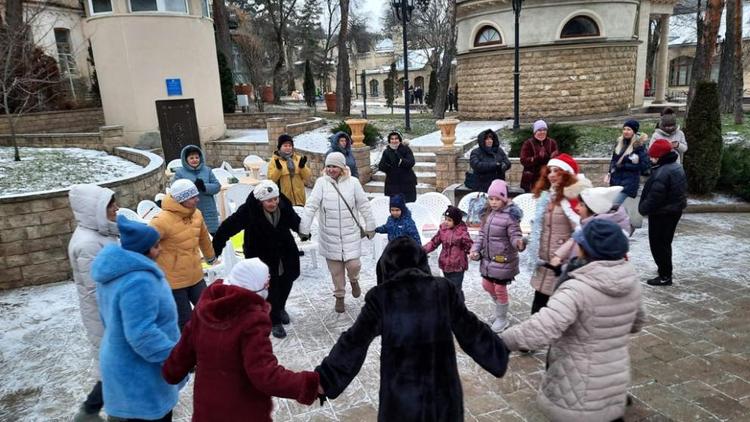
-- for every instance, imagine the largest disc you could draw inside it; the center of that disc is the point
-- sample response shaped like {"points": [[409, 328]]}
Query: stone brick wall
{"points": [[556, 81], [35, 228], [70, 121], [106, 139], [258, 120]]}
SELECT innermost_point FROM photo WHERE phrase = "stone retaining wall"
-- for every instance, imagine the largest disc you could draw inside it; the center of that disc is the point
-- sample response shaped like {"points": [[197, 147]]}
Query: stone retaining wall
{"points": [[68, 121], [35, 228], [556, 81], [106, 139], [258, 120]]}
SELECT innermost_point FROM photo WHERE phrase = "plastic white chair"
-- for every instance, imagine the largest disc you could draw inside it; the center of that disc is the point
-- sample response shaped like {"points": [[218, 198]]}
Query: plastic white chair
{"points": [[252, 159], [263, 172], [235, 196], [221, 270], [310, 247], [380, 207], [233, 171], [463, 204], [147, 209], [159, 197], [527, 203], [435, 202], [425, 221], [174, 165], [222, 174], [130, 214]]}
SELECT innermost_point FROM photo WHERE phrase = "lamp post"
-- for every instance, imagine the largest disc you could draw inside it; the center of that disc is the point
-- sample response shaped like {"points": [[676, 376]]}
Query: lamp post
{"points": [[402, 10], [364, 95], [516, 72]]}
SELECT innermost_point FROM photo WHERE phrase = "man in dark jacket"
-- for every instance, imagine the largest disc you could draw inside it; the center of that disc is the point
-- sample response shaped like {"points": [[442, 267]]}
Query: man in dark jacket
{"points": [[417, 316], [663, 198], [397, 163], [488, 160], [267, 218]]}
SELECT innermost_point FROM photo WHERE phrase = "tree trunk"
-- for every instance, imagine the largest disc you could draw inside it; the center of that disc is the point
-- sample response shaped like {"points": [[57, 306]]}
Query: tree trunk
{"points": [[221, 26], [11, 126], [278, 70], [444, 72], [290, 85], [14, 14], [343, 90], [652, 49], [727, 64], [708, 29], [739, 88]]}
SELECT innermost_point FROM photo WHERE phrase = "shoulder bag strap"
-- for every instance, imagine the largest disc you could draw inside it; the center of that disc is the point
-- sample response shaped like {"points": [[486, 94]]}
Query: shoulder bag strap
{"points": [[347, 206]]}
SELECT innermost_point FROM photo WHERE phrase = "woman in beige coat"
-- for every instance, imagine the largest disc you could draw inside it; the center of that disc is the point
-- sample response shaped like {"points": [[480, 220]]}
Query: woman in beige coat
{"points": [[587, 322]]}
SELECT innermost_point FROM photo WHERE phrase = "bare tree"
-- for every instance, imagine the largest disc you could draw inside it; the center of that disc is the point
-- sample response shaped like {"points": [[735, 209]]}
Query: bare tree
{"points": [[730, 73], [443, 14], [253, 51], [654, 35], [221, 27], [29, 79], [333, 23], [343, 90], [707, 22]]}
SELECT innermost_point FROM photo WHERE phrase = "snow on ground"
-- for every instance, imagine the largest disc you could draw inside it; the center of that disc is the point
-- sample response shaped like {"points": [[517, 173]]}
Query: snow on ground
{"points": [[246, 135], [43, 169], [45, 363], [715, 198], [465, 132], [315, 140]]}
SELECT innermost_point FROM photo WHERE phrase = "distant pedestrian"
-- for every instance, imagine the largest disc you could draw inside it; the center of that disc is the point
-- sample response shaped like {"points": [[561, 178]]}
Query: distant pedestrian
{"points": [[140, 320], [451, 99], [227, 344], [398, 163], [670, 131], [663, 199], [195, 169], [95, 212], [456, 243], [488, 160], [535, 153], [289, 170]]}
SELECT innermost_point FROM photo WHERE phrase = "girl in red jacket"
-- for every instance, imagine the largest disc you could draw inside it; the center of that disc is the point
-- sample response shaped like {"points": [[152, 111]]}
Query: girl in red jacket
{"points": [[454, 236], [237, 372]]}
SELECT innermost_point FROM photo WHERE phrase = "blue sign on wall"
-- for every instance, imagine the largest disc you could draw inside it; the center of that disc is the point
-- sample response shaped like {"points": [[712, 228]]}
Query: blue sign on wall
{"points": [[174, 87]]}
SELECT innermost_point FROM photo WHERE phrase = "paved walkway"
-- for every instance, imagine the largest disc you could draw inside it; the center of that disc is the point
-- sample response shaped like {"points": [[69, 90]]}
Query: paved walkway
{"points": [[691, 362]]}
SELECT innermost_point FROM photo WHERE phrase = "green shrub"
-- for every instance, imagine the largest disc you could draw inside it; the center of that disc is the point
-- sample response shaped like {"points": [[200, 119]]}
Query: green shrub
{"points": [[703, 134], [735, 170], [566, 136], [372, 135]]}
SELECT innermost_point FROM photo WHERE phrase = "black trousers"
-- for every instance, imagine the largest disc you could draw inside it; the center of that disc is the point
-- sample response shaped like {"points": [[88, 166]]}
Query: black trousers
{"points": [[165, 418], [278, 293], [661, 228], [95, 400], [540, 301], [183, 298]]}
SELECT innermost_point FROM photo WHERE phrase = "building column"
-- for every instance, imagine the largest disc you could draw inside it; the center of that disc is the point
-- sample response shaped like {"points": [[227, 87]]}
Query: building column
{"points": [[662, 62]]}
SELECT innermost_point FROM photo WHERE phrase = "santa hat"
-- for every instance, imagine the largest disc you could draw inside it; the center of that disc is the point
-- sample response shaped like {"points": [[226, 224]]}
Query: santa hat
{"points": [[251, 274], [600, 200], [659, 148], [564, 162]]}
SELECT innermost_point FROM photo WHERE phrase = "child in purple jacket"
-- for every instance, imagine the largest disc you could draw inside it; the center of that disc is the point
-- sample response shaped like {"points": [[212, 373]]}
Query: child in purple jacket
{"points": [[454, 236], [497, 246]]}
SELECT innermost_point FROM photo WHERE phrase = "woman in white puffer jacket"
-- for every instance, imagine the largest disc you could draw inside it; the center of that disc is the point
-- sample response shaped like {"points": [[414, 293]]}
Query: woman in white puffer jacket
{"points": [[95, 209], [338, 198]]}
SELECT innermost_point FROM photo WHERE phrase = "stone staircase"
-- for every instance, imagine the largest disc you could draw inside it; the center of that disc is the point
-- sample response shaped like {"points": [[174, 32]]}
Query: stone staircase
{"points": [[424, 169]]}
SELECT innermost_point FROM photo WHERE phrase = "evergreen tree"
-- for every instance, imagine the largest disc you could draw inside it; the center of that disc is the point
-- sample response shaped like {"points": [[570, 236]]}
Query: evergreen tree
{"points": [[228, 97], [309, 85], [703, 133], [310, 33], [430, 98]]}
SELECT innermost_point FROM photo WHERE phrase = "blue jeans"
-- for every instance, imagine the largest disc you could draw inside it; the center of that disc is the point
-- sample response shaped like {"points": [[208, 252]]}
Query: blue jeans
{"points": [[457, 279], [183, 298]]}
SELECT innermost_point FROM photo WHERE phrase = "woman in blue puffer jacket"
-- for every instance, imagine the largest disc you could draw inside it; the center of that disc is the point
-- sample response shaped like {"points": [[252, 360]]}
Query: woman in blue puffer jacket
{"points": [[194, 168], [629, 160], [341, 142]]}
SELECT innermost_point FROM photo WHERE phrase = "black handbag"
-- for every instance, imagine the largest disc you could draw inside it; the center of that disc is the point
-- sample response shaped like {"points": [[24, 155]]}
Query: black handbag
{"points": [[471, 181]]}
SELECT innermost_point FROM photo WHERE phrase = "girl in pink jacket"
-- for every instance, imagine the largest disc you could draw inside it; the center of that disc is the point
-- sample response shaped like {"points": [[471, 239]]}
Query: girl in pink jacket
{"points": [[454, 236], [499, 242]]}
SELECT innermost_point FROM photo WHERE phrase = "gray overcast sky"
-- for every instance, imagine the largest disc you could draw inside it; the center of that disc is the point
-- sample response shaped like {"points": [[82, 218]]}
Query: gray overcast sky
{"points": [[372, 9]]}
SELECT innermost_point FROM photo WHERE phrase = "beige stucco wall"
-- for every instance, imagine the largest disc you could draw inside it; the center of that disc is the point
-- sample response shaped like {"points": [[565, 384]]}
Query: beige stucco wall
{"points": [[136, 52]]}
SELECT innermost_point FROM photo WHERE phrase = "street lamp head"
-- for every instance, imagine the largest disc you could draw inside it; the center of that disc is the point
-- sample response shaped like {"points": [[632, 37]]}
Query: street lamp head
{"points": [[402, 9], [517, 6]]}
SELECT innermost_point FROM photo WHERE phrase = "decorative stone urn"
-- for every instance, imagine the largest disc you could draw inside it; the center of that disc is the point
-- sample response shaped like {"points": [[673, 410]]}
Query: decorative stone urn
{"points": [[447, 132], [358, 131]]}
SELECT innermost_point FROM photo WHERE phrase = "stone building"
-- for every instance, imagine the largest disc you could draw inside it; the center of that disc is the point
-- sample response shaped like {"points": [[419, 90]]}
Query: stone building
{"points": [[578, 57]]}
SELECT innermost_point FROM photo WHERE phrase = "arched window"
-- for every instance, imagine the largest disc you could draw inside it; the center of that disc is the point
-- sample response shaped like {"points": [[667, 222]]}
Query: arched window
{"points": [[487, 35], [679, 71], [374, 88], [580, 26]]}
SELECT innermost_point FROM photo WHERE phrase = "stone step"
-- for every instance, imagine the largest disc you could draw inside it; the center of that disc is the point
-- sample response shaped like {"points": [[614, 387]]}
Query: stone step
{"points": [[424, 157], [424, 167], [378, 187], [429, 178]]}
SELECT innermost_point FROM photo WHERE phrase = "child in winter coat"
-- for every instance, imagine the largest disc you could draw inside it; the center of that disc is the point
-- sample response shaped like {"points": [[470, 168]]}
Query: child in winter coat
{"points": [[140, 325], [289, 170], [500, 240], [183, 237], [237, 373], [454, 236], [400, 222], [194, 168]]}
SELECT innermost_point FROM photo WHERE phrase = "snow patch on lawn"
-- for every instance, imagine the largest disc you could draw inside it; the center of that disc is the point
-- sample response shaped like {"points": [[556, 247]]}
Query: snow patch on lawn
{"points": [[715, 198], [315, 140], [465, 132], [42, 169]]}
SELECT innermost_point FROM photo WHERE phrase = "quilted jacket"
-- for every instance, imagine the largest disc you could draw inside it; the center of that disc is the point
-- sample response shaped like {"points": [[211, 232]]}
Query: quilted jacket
{"points": [[456, 246]]}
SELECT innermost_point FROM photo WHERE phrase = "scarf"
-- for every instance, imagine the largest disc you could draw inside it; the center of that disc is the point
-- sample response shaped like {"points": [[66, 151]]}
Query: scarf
{"points": [[289, 162]]}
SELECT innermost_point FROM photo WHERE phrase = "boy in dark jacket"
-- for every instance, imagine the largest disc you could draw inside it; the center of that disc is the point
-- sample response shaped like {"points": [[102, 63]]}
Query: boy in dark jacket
{"points": [[237, 372], [663, 198], [417, 316], [400, 222]]}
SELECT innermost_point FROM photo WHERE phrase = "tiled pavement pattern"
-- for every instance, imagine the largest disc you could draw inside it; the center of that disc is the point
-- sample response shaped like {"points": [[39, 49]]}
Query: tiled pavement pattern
{"points": [[691, 362]]}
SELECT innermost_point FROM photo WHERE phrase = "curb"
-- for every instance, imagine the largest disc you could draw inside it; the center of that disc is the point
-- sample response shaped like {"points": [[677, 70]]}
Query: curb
{"points": [[738, 207]]}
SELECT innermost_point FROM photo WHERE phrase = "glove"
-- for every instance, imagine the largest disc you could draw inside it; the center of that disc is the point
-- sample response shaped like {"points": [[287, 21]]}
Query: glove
{"points": [[370, 234], [200, 185], [278, 164], [304, 237], [303, 161]]}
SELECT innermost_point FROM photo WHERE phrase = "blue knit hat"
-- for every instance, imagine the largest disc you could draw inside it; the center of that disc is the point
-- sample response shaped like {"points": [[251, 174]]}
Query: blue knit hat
{"points": [[398, 201], [602, 239], [633, 124], [135, 236]]}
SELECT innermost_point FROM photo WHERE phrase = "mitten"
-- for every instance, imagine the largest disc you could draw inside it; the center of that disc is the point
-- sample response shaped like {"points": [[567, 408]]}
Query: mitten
{"points": [[200, 185], [303, 161], [278, 164]]}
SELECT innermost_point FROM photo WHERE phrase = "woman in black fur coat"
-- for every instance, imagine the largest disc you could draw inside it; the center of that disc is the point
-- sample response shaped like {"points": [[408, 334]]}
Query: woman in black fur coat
{"points": [[417, 316]]}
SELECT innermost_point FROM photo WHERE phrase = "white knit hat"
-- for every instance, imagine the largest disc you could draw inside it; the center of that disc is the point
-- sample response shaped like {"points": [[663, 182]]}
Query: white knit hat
{"points": [[336, 159], [265, 190], [182, 190], [250, 274], [600, 200]]}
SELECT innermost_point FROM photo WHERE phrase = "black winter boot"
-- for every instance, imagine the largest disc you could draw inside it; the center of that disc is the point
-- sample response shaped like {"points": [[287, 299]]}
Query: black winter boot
{"points": [[284, 317], [278, 331], [660, 281]]}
